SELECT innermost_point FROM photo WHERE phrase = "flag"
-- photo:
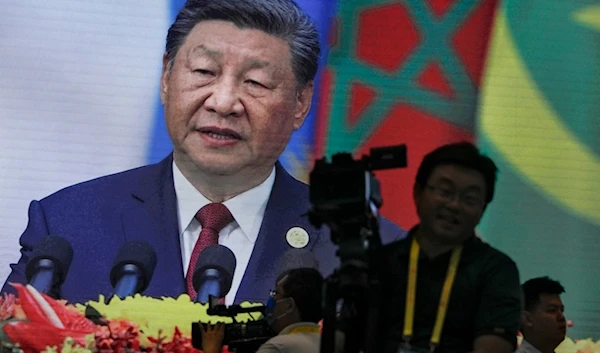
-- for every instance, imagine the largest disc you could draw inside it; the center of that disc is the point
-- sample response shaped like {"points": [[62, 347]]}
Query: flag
{"points": [[402, 72], [539, 119]]}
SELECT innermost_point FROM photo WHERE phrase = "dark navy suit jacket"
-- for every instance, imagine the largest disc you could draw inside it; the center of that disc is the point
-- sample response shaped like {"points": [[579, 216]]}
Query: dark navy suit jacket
{"points": [[97, 217]]}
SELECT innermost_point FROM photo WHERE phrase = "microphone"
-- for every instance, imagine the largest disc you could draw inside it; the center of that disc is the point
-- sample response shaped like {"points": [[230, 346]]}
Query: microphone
{"points": [[213, 273], [133, 268], [293, 259], [49, 263]]}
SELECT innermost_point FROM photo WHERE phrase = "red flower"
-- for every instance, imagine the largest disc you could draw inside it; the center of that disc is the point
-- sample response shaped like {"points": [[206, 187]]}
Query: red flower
{"points": [[7, 306], [178, 344], [48, 322], [118, 336], [35, 337]]}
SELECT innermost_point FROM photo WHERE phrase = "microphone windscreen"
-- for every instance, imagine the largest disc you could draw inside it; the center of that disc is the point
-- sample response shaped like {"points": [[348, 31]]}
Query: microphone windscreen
{"points": [[56, 249], [293, 259], [140, 254], [217, 257]]}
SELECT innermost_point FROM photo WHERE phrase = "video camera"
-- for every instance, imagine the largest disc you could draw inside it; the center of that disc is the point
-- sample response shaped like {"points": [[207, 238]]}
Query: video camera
{"points": [[346, 196], [240, 337]]}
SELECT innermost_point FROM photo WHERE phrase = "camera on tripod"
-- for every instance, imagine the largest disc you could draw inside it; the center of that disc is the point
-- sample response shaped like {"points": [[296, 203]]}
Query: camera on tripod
{"points": [[240, 337], [346, 196]]}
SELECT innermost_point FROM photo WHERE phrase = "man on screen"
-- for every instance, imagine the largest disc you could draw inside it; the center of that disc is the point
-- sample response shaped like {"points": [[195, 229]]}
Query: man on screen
{"points": [[442, 273], [238, 79]]}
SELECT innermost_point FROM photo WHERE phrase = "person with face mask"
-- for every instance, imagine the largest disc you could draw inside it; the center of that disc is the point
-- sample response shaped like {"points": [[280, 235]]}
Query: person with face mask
{"points": [[293, 311]]}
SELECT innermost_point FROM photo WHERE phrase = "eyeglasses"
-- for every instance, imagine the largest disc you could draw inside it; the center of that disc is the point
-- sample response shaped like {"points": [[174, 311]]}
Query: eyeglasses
{"points": [[448, 194]]}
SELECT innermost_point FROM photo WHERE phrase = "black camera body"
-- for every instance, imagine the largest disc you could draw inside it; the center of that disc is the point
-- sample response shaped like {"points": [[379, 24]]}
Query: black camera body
{"points": [[241, 337], [346, 196]]}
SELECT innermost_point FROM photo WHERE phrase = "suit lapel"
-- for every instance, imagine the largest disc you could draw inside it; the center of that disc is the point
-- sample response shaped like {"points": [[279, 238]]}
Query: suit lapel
{"points": [[152, 218], [286, 208]]}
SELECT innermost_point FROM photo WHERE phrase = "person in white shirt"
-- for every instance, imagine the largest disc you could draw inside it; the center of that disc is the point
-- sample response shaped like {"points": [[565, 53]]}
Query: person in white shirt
{"points": [[544, 325]]}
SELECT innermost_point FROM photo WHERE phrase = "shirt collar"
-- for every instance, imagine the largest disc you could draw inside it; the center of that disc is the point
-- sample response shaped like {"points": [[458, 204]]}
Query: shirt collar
{"points": [[291, 327], [246, 208], [526, 347], [411, 234]]}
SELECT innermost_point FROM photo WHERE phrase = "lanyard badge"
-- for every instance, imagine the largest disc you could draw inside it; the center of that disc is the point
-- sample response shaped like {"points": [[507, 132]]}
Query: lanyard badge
{"points": [[411, 293]]}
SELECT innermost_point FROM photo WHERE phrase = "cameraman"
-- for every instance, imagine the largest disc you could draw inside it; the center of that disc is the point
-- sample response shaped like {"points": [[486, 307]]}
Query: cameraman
{"points": [[293, 311]]}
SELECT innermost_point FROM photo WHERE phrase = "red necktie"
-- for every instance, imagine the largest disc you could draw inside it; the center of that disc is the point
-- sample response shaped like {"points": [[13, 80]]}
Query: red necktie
{"points": [[213, 217]]}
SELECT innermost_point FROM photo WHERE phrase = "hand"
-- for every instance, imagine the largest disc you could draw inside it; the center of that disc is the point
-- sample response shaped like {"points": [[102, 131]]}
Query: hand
{"points": [[212, 337]]}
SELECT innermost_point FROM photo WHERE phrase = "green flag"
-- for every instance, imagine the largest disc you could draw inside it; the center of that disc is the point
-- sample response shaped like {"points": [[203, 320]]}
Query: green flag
{"points": [[539, 119]]}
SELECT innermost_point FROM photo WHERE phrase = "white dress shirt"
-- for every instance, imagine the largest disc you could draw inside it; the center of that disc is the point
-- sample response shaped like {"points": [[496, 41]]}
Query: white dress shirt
{"points": [[526, 347], [247, 208]]}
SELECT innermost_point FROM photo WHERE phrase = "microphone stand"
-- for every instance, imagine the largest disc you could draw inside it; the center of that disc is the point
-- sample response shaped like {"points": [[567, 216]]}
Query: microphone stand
{"points": [[129, 282], [44, 278]]}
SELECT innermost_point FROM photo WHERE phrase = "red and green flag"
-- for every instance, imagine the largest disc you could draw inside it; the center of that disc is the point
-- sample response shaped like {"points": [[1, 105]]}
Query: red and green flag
{"points": [[402, 72]]}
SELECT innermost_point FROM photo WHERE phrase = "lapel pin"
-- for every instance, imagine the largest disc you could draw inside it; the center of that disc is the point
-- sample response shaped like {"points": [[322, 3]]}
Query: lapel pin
{"points": [[297, 237]]}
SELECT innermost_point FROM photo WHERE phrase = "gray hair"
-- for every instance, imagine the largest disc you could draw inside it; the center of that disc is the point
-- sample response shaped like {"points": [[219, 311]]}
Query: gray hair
{"points": [[280, 18]]}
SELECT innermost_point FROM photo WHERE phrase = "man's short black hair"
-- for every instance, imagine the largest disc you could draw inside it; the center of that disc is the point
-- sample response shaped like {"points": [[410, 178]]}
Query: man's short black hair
{"points": [[280, 18], [464, 154], [305, 285], [533, 288]]}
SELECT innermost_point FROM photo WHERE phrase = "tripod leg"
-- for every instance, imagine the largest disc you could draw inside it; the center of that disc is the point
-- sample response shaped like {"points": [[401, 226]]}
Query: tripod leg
{"points": [[372, 317], [353, 326], [330, 299]]}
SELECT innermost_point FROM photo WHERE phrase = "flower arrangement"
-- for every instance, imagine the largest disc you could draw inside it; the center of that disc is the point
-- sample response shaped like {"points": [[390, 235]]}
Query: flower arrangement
{"points": [[34, 322]]}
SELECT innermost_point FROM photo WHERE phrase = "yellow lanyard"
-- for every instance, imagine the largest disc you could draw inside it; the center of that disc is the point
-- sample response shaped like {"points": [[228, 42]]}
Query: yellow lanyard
{"points": [[411, 293], [304, 329]]}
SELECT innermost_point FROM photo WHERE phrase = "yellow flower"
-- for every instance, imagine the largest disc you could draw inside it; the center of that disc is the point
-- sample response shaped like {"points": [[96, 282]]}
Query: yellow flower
{"points": [[70, 346], [580, 346], [154, 315]]}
